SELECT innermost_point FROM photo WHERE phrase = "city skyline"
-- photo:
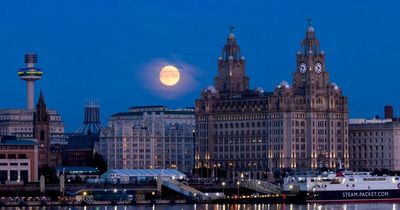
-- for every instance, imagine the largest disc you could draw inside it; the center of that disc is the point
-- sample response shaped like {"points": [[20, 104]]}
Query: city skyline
{"points": [[102, 52]]}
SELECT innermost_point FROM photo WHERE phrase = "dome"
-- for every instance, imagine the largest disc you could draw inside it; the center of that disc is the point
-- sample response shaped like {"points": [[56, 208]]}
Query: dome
{"points": [[211, 89], [298, 52], [259, 90], [220, 58], [284, 84], [242, 58], [310, 52], [231, 36], [310, 29], [230, 57], [335, 86]]}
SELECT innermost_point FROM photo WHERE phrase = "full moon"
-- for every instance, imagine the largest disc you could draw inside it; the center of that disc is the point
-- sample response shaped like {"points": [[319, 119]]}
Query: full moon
{"points": [[169, 75]]}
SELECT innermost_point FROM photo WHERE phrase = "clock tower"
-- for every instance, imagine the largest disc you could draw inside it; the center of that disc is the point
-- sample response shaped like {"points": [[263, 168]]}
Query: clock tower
{"points": [[313, 111], [303, 125], [311, 72], [231, 78]]}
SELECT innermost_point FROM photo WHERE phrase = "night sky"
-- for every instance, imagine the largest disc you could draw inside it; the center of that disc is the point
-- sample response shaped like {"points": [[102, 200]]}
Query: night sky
{"points": [[112, 50]]}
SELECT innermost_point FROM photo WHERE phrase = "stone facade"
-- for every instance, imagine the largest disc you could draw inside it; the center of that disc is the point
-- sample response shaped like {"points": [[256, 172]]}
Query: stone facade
{"points": [[149, 137], [374, 144], [19, 123], [41, 131], [248, 132]]}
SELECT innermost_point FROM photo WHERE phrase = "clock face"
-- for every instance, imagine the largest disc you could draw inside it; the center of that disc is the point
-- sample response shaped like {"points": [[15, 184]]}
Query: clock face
{"points": [[318, 67], [303, 68]]}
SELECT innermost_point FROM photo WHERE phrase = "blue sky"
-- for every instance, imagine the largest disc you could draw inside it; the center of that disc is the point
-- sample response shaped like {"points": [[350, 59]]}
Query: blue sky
{"points": [[110, 50]]}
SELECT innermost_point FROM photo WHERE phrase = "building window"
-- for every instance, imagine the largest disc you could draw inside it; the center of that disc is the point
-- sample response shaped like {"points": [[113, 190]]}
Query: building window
{"points": [[13, 175]]}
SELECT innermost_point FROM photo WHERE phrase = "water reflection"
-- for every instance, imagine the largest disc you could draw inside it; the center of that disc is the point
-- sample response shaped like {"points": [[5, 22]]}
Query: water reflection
{"points": [[371, 206]]}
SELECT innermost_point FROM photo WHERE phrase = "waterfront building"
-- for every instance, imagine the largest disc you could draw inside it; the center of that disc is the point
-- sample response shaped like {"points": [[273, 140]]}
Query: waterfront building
{"points": [[374, 143], [41, 124], [18, 160], [77, 173], [140, 176], [50, 155], [308, 120], [149, 137], [248, 132], [80, 149], [19, 122]]}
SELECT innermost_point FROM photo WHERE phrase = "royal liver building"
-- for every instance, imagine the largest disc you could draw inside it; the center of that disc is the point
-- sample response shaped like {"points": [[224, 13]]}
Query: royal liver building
{"points": [[243, 132]]}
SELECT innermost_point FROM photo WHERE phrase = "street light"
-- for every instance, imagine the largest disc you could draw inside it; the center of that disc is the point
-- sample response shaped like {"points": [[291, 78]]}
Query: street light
{"points": [[223, 187], [214, 171], [153, 196], [218, 167], [238, 185]]}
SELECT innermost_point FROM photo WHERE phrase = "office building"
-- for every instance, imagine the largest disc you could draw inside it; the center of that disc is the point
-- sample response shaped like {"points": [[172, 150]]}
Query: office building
{"points": [[149, 137], [18, 160], [250, 132], [375, 143]]}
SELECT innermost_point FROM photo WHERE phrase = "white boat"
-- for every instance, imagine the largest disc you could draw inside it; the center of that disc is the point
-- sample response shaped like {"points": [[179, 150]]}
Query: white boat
{"points": [[344, 186]]}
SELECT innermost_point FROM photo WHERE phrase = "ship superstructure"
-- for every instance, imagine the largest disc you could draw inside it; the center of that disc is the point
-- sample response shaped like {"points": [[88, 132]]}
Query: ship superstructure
{"points": [[344, 186]]}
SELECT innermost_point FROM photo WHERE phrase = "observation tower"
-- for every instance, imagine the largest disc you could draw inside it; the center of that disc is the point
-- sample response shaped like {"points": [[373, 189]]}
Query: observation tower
{"points": [[30, 74]]}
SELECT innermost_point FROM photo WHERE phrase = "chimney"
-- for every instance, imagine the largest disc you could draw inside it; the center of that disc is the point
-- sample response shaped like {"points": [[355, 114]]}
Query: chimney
{"points": [[388, 112]]}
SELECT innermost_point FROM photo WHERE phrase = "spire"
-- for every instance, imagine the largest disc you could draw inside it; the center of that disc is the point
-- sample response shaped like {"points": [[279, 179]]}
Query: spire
{"points": [[41, 114], [41, 102], [310, 43], [310, 28], [231, 49]]}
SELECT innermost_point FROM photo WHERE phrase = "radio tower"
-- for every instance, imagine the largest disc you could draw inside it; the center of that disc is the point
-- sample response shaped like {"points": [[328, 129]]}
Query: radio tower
{"points": [[30, 74]]}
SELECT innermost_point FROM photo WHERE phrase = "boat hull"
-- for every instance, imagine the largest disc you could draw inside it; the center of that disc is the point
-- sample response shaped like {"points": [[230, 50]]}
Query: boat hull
{"points": [[354, 196]]}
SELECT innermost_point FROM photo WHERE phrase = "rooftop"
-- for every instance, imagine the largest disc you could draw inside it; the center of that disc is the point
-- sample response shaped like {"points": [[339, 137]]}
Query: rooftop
{"points": [[149, 107], [82, 141], [142, 172], [154, 109], [369, 121], [78, 169], [157, 112], [17, 142]]}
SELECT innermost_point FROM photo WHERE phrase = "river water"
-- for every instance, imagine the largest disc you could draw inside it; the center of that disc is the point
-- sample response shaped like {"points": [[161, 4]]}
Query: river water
{"points": [[369, 206]]}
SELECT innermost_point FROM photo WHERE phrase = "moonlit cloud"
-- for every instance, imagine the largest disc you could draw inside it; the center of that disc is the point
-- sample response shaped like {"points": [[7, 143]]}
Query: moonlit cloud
{"points": [[151, 81]]}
